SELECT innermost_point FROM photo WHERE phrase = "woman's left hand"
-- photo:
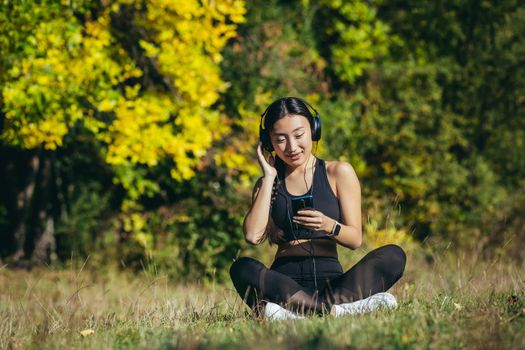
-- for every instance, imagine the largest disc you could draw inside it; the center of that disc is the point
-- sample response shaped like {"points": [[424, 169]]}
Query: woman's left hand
{"points": [[314, 220]]}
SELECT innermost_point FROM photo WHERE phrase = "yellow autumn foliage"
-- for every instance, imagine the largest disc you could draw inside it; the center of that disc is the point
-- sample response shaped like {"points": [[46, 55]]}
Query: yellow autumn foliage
{"points": [[77, 73], [379, 231]]}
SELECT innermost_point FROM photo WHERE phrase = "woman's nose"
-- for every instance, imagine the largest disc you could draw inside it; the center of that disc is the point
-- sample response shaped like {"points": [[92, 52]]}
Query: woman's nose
{"points": [[292, 145]]}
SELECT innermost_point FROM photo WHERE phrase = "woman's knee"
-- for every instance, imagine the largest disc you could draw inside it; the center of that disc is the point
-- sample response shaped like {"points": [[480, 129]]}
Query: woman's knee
{"points": [[243, 266], [394, 258]]}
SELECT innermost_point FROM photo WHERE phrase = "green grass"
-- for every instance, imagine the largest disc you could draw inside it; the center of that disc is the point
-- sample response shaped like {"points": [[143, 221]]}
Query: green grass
{"points": [[454, 302]]}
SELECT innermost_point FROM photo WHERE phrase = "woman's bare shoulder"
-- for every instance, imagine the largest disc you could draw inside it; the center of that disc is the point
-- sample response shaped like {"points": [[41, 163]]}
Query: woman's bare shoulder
{"points": [[341, 173], [330, 166], [339, 168]]}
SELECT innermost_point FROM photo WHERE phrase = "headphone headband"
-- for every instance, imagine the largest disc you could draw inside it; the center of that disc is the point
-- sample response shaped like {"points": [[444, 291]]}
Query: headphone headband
{"points": [[283, 98], [315, 125]]}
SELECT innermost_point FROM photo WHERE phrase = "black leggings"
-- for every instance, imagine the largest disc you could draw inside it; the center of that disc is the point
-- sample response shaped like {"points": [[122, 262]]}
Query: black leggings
{"points": [[290, 281]]}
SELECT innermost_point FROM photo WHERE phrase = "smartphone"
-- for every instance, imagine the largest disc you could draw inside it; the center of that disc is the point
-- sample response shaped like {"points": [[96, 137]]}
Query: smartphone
{"points": [[302, 202]]}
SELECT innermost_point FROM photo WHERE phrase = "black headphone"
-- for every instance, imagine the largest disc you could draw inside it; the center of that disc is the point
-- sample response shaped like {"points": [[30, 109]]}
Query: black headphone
{"points": [[315, 126]]}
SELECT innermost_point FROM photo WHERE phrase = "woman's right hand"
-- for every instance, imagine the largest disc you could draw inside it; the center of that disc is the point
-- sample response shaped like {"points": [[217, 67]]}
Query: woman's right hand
{"points": [[267, 166]]}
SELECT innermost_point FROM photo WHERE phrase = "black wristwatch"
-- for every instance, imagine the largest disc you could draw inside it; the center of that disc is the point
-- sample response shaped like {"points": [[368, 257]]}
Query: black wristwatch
{"points": [[335, 230]]}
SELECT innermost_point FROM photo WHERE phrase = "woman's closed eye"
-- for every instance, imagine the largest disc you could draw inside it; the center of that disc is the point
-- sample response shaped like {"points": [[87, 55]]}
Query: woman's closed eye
{"points": [[296, 136]]}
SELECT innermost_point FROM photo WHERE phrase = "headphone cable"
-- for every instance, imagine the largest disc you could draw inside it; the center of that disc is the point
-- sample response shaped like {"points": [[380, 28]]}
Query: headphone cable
{"points": [[312, 251]]}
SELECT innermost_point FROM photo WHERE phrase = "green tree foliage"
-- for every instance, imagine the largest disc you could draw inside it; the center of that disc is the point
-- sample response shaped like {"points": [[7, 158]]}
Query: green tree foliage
{"points": [[424, 99], [480, 47], [428, 114], [353, 35], [132, 125]]}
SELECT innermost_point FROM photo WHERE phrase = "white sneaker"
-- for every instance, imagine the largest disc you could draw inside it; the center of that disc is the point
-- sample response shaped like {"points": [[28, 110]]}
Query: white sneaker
{"points": [[275, 312], [382, 300]]}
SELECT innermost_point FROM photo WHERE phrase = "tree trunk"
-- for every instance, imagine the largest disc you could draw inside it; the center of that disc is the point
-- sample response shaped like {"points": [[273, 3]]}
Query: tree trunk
{"points": [[27, 193]]}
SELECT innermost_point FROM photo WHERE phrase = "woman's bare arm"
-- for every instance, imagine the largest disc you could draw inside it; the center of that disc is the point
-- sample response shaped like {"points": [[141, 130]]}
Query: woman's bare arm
{"points": [[256, 220], [349, 193]]}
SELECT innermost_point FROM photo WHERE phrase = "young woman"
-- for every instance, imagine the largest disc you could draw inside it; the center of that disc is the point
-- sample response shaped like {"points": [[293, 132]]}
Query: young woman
{"points": [[306, 276]]}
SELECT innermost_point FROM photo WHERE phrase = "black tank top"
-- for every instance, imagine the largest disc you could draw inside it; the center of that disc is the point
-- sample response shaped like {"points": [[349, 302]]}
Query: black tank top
{"points": [[324, 200]]}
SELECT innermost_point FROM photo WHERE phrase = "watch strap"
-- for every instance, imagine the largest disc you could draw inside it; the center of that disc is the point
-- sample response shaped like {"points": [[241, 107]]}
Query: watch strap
{"points": [[337, 228]]}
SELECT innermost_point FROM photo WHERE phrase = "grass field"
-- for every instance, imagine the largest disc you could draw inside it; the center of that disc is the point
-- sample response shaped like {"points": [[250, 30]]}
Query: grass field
{"points": [[454, 301]]}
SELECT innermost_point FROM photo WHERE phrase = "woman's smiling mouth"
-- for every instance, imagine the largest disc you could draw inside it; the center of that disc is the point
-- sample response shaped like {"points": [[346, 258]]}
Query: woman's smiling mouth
{"points": [[295, 156]]}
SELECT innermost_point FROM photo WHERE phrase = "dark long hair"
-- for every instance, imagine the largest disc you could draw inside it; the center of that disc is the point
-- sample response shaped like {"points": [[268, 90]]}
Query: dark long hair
{"points": [[277, 110]]}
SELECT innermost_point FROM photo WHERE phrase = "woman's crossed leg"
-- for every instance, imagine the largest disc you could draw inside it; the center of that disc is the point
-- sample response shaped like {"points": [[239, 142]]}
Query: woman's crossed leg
{"points": [[376, 272]]}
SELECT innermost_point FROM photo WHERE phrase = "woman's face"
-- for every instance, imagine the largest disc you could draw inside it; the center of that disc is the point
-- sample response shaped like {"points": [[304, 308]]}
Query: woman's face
{"points": [[291, 138]]}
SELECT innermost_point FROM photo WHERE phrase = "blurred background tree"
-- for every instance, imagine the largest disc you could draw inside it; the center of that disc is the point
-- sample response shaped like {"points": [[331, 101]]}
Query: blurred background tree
{"points": [[132, 83], [129, 128]]}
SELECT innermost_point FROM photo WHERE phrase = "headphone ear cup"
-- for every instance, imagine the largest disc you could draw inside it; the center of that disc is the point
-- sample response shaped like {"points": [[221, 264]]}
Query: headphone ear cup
{"points": [[265, 139], [316, 128]]}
